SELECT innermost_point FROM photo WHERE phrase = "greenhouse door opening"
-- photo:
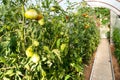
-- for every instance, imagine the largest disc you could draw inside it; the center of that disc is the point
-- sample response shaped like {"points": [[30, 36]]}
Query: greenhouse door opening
{"points": [[103, 17]]}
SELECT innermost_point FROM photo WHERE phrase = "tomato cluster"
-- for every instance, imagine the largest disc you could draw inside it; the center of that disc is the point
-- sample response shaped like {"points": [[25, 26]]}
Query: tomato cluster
{"points": [[33, 14]]}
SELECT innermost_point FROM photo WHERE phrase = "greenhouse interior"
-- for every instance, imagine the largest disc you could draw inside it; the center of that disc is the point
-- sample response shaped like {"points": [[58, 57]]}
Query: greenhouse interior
{"points": [[59, 39]]}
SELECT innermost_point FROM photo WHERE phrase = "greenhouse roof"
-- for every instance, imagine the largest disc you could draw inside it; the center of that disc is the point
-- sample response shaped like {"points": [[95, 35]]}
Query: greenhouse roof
{"points": [[113, 5]]}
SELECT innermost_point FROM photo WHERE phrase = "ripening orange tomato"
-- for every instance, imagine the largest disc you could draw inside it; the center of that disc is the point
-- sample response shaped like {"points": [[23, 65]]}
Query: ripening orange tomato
{"points": [[86, 26], [40, 16], [85, 15], [67, 17]]}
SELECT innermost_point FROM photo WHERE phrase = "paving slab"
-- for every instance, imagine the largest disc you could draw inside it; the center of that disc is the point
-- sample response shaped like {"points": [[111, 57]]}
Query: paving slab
{"points": [[102, 67]]}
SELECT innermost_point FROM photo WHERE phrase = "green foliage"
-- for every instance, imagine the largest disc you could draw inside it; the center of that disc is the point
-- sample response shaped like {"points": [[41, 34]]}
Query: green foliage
{"points": [[60, 47], [116, 39], [103, 14]]}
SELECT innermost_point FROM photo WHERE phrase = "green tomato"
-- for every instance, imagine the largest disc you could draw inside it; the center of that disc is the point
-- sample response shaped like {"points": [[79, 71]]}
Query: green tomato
{"points": [[8, 27], [62, 47], [35, 43], [29, 52], [53, 9], [41, 22], [35, 58], [31, 14]]}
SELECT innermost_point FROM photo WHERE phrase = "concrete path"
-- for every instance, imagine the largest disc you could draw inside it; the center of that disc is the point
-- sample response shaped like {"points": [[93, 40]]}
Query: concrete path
{"points": [[102, 67], [103, 31]]}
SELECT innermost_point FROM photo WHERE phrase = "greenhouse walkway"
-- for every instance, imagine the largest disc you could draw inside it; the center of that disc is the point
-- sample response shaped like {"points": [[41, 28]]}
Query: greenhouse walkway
{"points": [[102, 67]]}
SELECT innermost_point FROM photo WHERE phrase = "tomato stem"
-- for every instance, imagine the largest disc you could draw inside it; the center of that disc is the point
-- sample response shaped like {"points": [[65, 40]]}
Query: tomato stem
{"points": [[54, 42], [22, 29]]}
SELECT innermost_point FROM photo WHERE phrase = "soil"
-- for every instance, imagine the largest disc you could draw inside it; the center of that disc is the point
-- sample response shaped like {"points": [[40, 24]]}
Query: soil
{"points": [[88, 68], [116, 66]]}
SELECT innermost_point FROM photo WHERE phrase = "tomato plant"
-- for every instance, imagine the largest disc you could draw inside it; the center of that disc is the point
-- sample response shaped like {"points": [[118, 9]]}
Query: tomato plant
{"points": [[116, 39], [40, 43], [103, 14]]}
